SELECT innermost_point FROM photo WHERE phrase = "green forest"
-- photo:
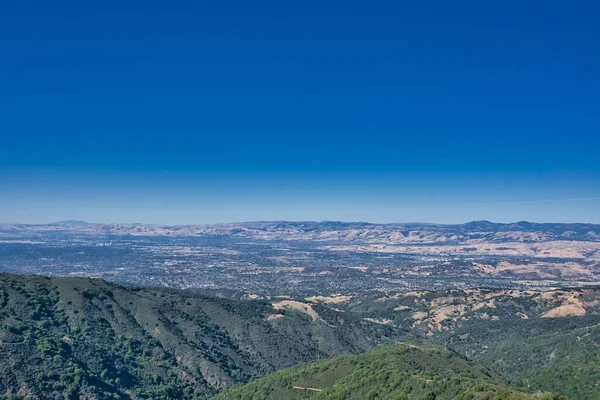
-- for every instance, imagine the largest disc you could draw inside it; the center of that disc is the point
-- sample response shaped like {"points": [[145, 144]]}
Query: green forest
{"points": [[86, 338], [74, 337], [402, 371]]}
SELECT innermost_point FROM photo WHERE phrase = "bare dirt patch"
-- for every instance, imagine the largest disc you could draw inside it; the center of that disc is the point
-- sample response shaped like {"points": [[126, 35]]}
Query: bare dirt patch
{"points": [[334, 299], [380, 321], [298, 306], [571, 306]]}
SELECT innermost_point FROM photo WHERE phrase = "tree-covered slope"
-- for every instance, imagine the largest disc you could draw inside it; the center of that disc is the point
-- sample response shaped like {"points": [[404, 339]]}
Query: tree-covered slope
{"points": [[561, 355], [86, 338], [546, 340], [402, 371]]}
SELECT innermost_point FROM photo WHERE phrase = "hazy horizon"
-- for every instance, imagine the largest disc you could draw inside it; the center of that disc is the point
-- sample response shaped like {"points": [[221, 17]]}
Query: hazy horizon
{"points": [[91, 222]]}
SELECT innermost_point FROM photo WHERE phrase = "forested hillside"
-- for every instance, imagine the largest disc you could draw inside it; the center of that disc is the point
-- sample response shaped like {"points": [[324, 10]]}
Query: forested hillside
{"points": [[547, 340], [402, 371], [86, 338], [558, 354]]}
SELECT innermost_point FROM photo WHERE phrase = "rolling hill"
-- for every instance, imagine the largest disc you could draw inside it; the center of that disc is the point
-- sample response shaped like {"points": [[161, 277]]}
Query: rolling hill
{"points": [[403, 371], [86, 338]]}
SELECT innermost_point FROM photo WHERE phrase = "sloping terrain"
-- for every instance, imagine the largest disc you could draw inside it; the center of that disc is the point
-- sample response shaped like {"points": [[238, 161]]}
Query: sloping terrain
{"points": [[546, 340], [403, 371], [86, 338], [560, 355], [433, 312]]}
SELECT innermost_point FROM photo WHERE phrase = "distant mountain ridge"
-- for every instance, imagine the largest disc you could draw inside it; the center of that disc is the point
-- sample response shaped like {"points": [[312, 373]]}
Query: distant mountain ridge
{"points": [[335, 231], [71, 222]]}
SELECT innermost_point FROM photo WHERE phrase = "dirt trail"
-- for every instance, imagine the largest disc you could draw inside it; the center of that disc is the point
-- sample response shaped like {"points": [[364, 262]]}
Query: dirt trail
{"points": [[307, 388]]}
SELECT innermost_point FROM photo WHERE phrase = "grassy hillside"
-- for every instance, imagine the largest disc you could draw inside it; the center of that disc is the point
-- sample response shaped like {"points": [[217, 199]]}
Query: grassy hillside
{"points": [[545, 340], [434, 312], [402, 371], [85, 338]]}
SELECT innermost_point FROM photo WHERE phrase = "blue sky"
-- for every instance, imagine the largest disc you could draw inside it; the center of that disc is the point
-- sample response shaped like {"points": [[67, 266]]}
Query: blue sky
{"points": [[184, 112]]}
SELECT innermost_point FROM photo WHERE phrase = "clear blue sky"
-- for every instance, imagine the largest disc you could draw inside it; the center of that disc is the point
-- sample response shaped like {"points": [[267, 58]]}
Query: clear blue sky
{"points": [[201, 112]]}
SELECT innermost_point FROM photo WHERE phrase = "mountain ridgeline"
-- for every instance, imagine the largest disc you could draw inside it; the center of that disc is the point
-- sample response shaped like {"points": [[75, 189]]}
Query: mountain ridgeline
{"points": [[85, 338], [330, 230], [402, 371]]}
